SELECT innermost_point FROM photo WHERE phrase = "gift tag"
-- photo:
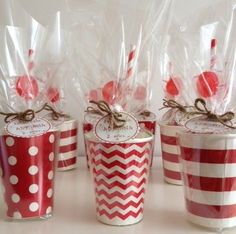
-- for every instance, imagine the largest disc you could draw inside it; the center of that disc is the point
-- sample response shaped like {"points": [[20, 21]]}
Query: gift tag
{"points": [[36, 127], [203, 125], [104, 132]]}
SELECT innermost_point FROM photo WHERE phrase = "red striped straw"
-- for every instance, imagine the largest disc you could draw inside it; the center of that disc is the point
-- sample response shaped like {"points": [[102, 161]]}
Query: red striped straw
{"points": [[129, 73], [30, 63], [213, 54], [131, 62]]}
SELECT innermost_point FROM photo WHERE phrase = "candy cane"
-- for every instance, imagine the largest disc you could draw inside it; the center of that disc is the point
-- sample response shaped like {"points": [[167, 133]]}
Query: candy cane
{"points": [[213, 54]]}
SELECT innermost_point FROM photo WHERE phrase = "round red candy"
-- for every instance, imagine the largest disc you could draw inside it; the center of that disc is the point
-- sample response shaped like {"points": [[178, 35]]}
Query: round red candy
{"points": [[140, 92], [53, 94], [27, 87], [109, 91], [207, 84], [173, 86]]}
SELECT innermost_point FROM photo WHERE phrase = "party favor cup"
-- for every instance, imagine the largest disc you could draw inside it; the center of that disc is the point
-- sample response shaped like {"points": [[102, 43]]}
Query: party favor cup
{"points": [[209, 173], [87, 127], [170, 157], [67, 158], [120, 173], [28, 166], [149, 123]]}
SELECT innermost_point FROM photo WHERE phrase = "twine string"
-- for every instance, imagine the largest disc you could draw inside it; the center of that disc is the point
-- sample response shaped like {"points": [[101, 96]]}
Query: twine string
{"points": [[115, 118], [29, 114], [173, 105]]}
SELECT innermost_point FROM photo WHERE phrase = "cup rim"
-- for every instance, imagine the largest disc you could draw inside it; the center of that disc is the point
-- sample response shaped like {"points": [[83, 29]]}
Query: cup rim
{"points": [[131, 141]]}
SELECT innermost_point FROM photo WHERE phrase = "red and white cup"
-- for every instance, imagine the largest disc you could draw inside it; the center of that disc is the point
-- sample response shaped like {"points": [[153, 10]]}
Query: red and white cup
{"points": [[170, 153], [67, 157], [120, 174], [209, 174], [149, 123], [87, 127], [28, 168]]}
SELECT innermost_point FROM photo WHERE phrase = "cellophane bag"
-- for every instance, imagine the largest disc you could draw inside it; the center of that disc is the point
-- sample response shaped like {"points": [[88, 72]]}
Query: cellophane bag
{"points": [[57, 91], [115, 71], [207, 148], [28, 143]]}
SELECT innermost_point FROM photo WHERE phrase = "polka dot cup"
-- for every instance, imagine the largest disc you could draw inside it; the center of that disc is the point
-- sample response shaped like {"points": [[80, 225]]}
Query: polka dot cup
{"points": [[28, 166]]}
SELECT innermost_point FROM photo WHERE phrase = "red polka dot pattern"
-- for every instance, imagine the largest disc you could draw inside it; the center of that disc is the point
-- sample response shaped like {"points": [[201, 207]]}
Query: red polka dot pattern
{"points": [[28, 174]]}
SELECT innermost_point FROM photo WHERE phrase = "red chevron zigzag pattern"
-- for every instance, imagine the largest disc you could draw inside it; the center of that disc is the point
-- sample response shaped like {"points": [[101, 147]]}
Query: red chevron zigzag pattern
{"points": [[120, 173]]}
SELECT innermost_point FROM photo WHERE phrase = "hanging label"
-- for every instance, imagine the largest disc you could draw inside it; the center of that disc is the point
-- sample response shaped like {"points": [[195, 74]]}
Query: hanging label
{"points": [[203, 125], [36, 127], [104, 132]]}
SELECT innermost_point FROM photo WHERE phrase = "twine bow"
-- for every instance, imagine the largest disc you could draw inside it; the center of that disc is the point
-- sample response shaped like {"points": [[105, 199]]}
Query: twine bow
{"points": [[29, 114], [174, 105], [200, 106], [115, 118], [26, 116], [55, 115]]}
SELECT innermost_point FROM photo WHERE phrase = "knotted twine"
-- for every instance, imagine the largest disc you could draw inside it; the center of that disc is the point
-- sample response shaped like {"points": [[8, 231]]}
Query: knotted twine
{"points": [[201, 109], [29, 114], [115, 118]]}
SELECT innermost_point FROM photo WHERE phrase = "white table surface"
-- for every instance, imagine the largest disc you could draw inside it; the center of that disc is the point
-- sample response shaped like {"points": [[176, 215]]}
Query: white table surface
{"points": [[75, 209]]}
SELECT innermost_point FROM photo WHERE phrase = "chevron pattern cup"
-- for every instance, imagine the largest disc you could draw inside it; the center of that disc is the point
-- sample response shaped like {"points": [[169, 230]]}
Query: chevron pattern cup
{"points": [[170, 157], [67, 158], [209, 173], [120, 173]]}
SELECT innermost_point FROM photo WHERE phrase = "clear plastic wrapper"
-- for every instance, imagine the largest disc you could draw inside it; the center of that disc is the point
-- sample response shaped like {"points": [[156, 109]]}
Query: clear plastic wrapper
{"points": [[28, 143], [207, 145], [120, 63], [57, 91], [115, 73]]}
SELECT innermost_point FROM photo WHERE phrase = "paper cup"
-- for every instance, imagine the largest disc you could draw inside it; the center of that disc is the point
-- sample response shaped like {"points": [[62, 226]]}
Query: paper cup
{"points": [[170, 157], [149, 123], [28, 167], [120, 173], [209, 173], [67, 158], [87, 127]]}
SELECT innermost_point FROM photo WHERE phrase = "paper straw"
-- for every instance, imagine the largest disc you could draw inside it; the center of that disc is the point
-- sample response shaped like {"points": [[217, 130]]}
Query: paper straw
{"points": [[213, 54], [131, 62]]}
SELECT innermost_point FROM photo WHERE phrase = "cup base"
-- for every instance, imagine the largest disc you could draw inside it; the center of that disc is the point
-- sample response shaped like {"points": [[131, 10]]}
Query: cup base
{"points": [[173, 182], [214, 225], [69, 168], [22, 219], [118, 222]]}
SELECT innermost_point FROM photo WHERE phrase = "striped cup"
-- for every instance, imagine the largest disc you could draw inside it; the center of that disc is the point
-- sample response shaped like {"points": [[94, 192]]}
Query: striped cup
{"points": [[149, 123], [209, 172], [170, 157], [120, 173], [67, 158]]}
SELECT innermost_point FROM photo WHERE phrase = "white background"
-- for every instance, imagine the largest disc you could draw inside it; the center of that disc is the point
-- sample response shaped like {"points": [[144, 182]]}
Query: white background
{"points": [[43, 9]]}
